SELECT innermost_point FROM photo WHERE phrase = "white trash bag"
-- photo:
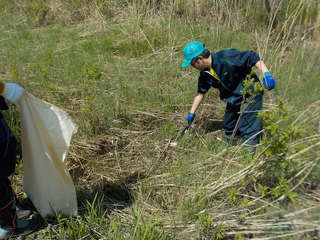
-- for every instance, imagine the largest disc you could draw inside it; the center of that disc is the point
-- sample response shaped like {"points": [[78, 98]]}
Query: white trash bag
{"points": [[46, 133]]}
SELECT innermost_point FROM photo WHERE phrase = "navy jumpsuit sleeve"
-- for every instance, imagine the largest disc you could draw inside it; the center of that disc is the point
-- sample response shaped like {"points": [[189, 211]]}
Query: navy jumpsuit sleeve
{"points": [[243, 59]]}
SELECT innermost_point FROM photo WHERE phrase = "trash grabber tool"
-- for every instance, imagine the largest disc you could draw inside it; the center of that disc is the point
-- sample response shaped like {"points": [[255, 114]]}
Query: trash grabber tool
{"points": [[179, 138]]}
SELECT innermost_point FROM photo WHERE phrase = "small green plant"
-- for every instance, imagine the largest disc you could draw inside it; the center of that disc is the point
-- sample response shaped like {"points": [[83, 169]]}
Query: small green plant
{"points": [[91, 72], [233, 195], [251, 89], [238, 237], [89, 101], [277, 139], [146, 228], [208, 228], [279, 134], [196, 203], [264, 190], [14, 69], [234, 198], [14, 72], [95, 212], [91, 223], [282, 188], [44, 66], [245, 202]]}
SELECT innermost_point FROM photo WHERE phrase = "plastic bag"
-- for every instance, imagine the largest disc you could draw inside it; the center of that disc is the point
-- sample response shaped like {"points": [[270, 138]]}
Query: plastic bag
{"points": [[46, 133]]}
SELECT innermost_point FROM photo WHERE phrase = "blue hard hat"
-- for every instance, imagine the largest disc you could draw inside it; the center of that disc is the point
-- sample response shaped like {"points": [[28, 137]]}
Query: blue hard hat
{"points": [[191, 51]]}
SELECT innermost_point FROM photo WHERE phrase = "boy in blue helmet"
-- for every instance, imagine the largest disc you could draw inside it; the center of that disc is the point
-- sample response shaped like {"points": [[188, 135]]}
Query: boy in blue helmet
{"points": [[226, 70]]}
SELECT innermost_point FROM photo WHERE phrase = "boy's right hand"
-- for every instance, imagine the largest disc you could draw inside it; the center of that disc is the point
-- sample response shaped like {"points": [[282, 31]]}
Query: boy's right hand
{"points": [[190, 118], [12, 92]]}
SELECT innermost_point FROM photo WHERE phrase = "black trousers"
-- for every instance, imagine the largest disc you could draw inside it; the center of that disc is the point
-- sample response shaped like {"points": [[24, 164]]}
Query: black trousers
{"points": [[8, 147], [5, 188]]}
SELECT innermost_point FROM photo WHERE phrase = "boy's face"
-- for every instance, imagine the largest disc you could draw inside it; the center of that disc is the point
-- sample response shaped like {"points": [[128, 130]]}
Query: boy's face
{"points": [[200, 63]]}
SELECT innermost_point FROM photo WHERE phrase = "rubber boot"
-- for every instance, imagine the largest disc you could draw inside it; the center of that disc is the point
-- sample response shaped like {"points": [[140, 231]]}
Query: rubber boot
{"points": [[22, 213], [7, 216], [10, 226]]}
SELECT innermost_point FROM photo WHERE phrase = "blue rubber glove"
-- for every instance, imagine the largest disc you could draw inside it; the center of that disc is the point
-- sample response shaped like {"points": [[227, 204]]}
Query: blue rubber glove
{"points": [[190, 118], [268, 81]]}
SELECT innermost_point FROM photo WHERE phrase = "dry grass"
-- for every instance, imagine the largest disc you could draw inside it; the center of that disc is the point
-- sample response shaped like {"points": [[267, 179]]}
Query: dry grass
{"points": [[130, 163]]}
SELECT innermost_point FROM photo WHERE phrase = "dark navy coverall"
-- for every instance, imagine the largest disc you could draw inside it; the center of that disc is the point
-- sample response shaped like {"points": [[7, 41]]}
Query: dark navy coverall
{"points": [[7, 153], [231, 68]]}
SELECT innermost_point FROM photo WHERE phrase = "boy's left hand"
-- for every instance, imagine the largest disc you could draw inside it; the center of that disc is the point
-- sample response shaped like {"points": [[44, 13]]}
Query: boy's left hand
{"points": [[268, 81]]}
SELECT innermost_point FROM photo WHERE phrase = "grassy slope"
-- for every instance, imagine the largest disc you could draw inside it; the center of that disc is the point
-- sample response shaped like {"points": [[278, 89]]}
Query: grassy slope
{"points": [[121, 81]]}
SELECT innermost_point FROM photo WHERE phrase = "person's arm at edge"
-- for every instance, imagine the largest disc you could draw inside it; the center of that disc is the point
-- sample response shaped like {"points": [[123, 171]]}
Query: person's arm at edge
{"points": [[196, 102], [261, 66], [11, 92], [1, 87]]}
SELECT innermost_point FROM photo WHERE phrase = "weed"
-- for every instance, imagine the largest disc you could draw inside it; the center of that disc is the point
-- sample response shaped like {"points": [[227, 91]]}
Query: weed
{"points": [[251, 89], [208, 228], [282, 188], [233, 195], [91, 72], [278, 137], [44, 65], [146, 228]]}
